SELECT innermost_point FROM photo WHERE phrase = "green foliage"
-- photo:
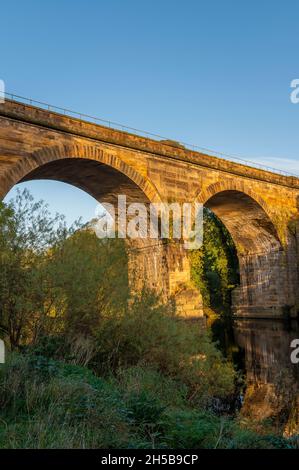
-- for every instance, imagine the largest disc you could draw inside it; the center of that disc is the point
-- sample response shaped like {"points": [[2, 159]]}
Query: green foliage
{"points": [[214, 271], [63, 408], [149, 334], [138, 379], [247, 439], [50, 404], [215, 265], [190, 429], [27, 231], [145, 409], [55, 280], [91, 275], [95, 366]]}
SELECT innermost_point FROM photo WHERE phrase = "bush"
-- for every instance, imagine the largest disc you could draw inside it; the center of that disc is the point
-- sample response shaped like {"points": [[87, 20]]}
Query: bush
{"points": [[66, 407], [153, 379], [148, 334], [49, 404], [190, 429], [170, 392]]}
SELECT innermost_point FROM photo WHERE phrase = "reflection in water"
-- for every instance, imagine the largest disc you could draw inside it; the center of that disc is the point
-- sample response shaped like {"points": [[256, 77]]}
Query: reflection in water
{"points": [[272, 380]]}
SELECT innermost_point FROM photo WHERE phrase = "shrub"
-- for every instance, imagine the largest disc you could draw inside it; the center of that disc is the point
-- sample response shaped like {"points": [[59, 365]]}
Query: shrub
{"points": [[148, 334], [191, 429], [138, 379], [66, 407]]}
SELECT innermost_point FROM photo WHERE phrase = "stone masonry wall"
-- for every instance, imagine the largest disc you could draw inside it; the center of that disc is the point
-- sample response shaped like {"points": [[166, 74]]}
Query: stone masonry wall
{"points": [[35, 143]]}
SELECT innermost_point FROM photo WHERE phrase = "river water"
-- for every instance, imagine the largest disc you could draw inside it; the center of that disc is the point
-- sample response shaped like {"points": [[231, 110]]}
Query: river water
{"points": [[272, 380]]}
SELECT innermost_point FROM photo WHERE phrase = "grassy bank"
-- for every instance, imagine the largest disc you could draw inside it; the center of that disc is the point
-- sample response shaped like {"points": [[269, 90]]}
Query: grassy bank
{"points": [[51, 404], [93, 366]]}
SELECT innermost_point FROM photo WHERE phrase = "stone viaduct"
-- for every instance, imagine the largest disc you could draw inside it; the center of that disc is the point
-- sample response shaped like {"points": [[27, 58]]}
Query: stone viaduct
{"points": [[259, 208]]}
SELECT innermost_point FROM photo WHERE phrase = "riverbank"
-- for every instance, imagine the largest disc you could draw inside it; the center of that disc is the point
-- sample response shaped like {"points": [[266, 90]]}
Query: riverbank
{"points": [[51, 404]]}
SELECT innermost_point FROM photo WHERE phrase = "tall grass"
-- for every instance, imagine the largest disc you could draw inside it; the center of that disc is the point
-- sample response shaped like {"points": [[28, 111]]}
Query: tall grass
{"points": [[50, 404]]}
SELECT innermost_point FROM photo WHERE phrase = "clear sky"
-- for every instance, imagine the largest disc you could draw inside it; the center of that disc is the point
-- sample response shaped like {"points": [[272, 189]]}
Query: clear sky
{"points": [[213, 73]]}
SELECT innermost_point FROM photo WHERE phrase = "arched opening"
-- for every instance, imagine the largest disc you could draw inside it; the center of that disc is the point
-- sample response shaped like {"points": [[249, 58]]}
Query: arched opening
{"points": [[260, 253], [62, 198], [151, 264], [101, 181], [249, 225]]}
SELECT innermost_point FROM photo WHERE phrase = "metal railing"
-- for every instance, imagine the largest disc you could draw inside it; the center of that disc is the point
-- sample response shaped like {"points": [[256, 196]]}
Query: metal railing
{"points": [[141, 133]]}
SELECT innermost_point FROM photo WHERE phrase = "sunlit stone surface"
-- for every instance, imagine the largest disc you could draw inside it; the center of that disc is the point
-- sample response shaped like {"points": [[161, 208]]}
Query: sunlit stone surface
{"points": [[259, 208]]}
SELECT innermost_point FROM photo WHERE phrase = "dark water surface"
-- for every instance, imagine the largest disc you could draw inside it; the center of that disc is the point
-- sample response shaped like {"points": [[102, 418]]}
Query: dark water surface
{"points": [[272, 380]]}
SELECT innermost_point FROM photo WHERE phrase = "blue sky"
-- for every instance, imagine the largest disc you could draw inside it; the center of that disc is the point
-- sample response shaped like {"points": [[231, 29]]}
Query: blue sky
{"points": [[216, 74]]}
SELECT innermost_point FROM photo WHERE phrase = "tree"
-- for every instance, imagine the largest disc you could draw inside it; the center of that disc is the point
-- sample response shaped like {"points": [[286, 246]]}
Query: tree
{"points": [[215, 266], [27, 232], [55, 280]]}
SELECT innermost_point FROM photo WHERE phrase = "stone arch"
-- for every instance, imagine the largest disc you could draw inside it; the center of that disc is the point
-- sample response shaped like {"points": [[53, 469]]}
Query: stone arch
{"points": [[26, 167], [251, 207], [230, 185], [150, 264], [264, 270]]}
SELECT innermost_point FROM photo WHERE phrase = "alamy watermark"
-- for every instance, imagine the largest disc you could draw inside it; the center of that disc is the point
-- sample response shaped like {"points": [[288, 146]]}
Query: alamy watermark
{"points": [[2, 91], [176, 221], [295, 353], [2, 351], [294, 96]]}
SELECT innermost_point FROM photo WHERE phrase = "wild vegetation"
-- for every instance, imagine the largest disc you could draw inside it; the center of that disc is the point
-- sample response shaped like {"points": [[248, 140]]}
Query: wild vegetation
{"points": [[89, 365], [215, 272]]}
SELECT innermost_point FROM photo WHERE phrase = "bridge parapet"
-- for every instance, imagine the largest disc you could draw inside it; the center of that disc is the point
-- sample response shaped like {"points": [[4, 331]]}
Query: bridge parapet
{"points": [[59, 122]]}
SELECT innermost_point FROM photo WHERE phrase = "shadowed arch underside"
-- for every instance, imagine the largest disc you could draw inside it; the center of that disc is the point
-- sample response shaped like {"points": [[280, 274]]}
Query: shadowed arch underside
{"points": [[262, 259], [33, 140], [101, 181], [87, 167], [250, 226], [152, 264]]}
